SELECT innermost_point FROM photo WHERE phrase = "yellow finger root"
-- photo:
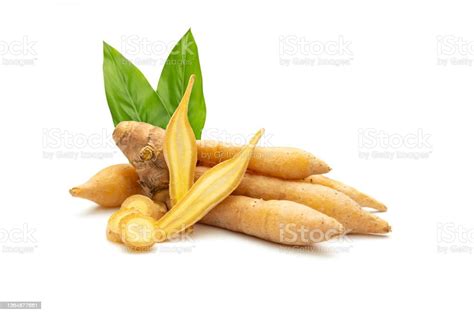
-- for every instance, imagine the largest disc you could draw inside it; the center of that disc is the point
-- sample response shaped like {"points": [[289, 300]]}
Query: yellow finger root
{"points": [[279, 221], [286, 163], [110, 187], [362, 199], [324, 199]]}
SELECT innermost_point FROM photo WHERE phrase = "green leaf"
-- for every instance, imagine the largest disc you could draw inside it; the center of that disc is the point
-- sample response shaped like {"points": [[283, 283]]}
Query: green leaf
{"points": [[181, 63], [129, 95]]}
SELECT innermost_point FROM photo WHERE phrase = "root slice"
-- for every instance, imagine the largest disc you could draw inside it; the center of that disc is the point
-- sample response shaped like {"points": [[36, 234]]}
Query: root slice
{"points": [[137, 231]]}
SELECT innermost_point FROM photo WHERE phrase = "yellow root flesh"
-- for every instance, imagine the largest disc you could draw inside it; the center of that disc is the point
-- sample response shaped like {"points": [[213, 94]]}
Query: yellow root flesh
{"points": [[208, 191], [137, 232], [180, 150]]}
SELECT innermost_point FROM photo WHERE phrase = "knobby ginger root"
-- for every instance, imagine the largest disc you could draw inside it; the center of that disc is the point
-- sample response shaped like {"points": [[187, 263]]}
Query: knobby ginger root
{"points": [[324, 199], [362, 199], [180, 150], [142, 144], [279, 221], [110, 187]]}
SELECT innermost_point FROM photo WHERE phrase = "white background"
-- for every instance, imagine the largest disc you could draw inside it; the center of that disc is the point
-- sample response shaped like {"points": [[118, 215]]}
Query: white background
{"points": [[393, 84]]}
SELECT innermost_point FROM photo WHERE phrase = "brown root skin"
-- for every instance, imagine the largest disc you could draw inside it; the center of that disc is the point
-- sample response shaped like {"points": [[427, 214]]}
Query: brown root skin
{"points": [[279, 221], [142, 144], [324, 199], [110, 186], [161, 196]]}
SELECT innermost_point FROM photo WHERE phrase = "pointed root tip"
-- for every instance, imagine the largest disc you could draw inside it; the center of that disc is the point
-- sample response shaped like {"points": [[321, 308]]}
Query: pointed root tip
{"points": [[257, 136], [319, 167], [74, 191]]}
